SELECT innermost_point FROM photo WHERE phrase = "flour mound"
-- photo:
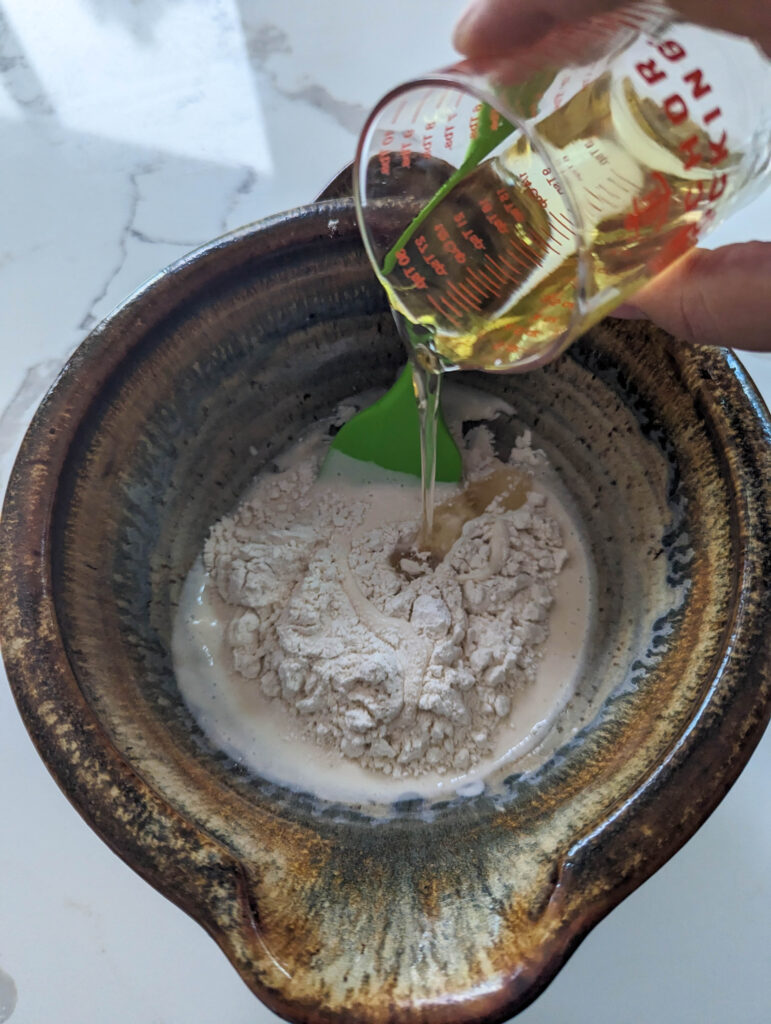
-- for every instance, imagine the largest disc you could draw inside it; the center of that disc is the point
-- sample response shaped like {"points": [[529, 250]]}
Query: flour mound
{"points": [[403, 670]]}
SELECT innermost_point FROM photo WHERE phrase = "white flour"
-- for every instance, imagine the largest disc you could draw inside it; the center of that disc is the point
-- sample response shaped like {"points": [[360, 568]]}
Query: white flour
{"points": [[403, 672]]}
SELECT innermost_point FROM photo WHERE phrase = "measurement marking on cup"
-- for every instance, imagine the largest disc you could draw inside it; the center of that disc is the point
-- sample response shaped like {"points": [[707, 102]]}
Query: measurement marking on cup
{"points": [[547, 245], [399, 109], [627, 21], [477, 289], [520, 264], [532, 260], [503, 274], [420, 106], [589, 202], [544, 241], [613, 195], [467, 293], [441, 312], [517, 247], [557, 231], [453, 309], [514, 270], [459, 298], [626, 181], [494, 271], [487, 290], [471, 299], [564, 219], [595, 196], [441, 99], [565, 223], [488, 280]]}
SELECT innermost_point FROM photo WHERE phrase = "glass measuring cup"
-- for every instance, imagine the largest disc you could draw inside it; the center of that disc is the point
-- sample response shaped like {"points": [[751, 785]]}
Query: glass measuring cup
{"points": [[508, 205]]}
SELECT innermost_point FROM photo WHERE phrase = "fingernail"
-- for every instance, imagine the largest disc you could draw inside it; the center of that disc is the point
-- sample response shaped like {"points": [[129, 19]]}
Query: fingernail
{"points": [[626, 311], [465, 23]]}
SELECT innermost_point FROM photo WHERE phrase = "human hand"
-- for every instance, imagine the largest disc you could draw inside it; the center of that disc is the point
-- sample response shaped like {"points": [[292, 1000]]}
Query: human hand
{"points": [[719, 297]]}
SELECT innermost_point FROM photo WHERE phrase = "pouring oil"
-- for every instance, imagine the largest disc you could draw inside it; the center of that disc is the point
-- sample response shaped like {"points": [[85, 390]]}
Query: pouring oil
{"points": [[525, 252]]}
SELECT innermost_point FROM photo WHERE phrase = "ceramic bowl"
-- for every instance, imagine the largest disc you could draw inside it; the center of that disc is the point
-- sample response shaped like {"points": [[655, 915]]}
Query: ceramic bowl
{"points": [[461, 910]]}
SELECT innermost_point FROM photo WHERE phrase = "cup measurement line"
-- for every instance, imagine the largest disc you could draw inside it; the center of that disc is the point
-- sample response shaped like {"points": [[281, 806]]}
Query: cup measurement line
{"points": [[555, 229], [517, 247], [514, 270], [613, 195], [564, 220], [442, 312], [477, 289], [420, 106], [545, 242], [491, 286], [460, 299], [494, 271], [469, 296], [453, 309], [499, 269], [397, 113]]}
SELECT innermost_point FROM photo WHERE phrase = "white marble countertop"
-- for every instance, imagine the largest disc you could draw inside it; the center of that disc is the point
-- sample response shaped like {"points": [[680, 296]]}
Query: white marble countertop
{"points": [[130, 132]]}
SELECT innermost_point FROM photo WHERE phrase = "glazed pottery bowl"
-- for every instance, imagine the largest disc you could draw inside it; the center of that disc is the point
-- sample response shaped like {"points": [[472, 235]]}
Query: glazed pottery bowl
{"points": [[458, 910]]}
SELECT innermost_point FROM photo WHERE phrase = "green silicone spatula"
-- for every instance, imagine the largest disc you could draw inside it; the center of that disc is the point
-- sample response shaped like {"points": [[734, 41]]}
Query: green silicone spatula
{"points": [[388, 434]]}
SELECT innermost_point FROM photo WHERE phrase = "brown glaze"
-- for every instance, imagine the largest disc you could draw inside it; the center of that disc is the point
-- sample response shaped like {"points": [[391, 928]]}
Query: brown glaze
{"points": [[462, 911]]}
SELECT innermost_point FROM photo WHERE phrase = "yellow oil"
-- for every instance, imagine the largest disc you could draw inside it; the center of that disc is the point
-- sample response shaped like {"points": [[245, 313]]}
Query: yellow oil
{"points": [[510, 261], [507, 486]]}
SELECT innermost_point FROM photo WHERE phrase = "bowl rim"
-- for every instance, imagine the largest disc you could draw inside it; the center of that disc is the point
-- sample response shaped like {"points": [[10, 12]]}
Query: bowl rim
{"points": [[58, 717]]}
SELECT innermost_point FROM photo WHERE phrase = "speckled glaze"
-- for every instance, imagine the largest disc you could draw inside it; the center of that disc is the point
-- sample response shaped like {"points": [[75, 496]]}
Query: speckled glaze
{"points": [[432, 913]]}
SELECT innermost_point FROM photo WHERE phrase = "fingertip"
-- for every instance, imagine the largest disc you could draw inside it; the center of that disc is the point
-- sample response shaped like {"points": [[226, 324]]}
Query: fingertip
{"points": [[715, 297], [463, 33], [496, 28], [626, 311]]}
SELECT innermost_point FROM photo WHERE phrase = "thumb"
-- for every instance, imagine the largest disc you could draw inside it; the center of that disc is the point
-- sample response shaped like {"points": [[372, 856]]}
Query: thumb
{"points": [[712, 297]]}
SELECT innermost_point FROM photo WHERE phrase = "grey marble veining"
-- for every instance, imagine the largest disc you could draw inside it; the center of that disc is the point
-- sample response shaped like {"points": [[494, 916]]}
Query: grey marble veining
{"points": [[18, 75], [265, 40]]}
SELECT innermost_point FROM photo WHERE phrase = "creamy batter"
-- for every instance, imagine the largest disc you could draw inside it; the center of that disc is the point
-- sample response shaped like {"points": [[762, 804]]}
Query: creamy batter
{"points": [[260, 732]]}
